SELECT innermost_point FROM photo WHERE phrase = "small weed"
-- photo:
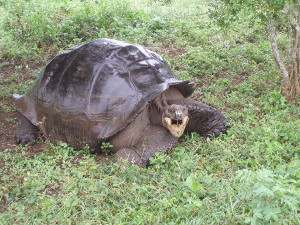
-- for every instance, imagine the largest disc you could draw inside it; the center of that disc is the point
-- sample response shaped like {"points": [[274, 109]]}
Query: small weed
{"points": [[19, 68], [192, 184], [10, 120], [159, 160], [105, 147], [273, 101], [6, 109]]}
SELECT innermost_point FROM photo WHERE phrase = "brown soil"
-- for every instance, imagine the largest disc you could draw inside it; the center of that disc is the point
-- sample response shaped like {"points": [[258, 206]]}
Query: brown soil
{"points": [[169, 50], [7, 130], [239, 78]]}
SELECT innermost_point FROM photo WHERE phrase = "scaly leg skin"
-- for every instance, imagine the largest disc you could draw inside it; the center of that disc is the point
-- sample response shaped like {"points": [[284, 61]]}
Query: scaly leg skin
{"points": [[26, 132], [205, 120], [157, 139]]}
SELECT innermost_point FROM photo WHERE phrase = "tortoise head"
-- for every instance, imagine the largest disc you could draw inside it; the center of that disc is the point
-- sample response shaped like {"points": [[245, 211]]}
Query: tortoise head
{"points": [[175, 119]]}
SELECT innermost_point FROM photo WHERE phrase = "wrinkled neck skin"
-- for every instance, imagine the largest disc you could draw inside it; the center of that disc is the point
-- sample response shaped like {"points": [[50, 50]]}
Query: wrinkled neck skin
{"points": [[155, 115], [172, 117], [156, 108], [147, 121]]}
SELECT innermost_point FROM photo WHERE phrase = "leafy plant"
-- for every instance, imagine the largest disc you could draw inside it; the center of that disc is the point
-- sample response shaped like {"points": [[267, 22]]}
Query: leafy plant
{"points": [[105, 147], [268, 195], [192, 184], [29, 27]]}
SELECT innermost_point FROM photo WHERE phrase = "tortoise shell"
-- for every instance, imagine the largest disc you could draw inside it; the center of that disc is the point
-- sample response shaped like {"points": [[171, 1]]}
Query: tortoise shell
{"points": [[92, 91]]}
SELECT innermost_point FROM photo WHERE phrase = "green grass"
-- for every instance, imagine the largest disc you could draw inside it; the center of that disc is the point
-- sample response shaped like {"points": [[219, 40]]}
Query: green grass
{"points": [[248, 176]]}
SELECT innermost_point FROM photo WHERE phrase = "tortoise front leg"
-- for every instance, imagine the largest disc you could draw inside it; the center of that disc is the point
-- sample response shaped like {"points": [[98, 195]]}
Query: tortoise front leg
{"points": [[157, 139], [203, 119], [26, 132]]}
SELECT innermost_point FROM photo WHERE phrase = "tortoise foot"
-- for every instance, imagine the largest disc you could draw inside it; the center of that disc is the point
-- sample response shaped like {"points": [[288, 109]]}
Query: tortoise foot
{"points": [[26, 132], [216, 131], [26, 139]]}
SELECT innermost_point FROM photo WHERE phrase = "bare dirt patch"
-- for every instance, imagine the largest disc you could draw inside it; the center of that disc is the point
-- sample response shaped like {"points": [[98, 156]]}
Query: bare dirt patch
{"points": [[7, 130], [169, 50], [10, 67], [240, 78], [173, 52]]}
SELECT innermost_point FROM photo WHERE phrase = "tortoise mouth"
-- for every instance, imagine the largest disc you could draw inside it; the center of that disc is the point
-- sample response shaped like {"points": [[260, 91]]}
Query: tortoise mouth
{"points": [[178, 122], [176, 126]]}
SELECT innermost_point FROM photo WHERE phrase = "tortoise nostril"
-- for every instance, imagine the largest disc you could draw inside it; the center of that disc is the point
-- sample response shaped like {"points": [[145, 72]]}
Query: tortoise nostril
{"points": [[177, 115]]}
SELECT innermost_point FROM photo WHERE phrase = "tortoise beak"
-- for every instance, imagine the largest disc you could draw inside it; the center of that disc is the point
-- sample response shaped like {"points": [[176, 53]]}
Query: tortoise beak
{"points": [[176, 126], [175, 118]]}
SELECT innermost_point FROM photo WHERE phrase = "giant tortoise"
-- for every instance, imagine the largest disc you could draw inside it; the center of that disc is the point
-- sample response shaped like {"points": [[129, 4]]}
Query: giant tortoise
{"points": [[113, 91]]}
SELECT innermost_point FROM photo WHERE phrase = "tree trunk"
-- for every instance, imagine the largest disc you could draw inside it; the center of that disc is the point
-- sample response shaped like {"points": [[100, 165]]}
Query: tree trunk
{"points": [[290, 78], [295, 61]]}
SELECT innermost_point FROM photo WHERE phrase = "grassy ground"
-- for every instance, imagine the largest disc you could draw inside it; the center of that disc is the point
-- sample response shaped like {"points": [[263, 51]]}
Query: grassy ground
{"points": [[248, 176]]}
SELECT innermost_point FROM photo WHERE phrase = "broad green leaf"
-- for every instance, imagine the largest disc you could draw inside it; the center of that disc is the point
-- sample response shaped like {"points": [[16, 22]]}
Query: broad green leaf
{"points": [[192, 184]]}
